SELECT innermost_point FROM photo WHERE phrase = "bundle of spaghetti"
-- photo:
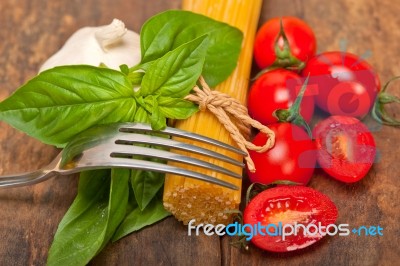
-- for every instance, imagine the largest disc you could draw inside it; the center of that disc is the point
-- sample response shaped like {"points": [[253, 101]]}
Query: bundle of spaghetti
{"points": [[187, 198]]}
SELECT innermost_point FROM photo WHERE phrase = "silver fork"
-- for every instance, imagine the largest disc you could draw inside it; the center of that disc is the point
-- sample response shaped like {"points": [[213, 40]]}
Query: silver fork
{"points": [[115, 146]]}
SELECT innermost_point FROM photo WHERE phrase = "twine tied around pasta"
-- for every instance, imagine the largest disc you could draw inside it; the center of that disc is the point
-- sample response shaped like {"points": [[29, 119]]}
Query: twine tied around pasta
{"points": [[234, 116]]}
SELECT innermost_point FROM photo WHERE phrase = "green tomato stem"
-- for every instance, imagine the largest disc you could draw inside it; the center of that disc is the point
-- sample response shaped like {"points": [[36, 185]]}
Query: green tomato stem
{"points": [[378, 112], [284, 57], [292, 114]]}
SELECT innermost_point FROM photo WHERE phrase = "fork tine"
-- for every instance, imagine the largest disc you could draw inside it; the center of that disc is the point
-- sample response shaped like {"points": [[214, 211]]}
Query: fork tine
{"points": [[131, 138], [129, 150], [140, 127], [113, 162]]}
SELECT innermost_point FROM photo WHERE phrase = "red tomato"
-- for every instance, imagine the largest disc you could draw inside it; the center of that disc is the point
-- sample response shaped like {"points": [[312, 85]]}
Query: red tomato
{"points": [[277, 89], [292, 158], [300, 37], [345, 148], [290, 205], [345, 84]]}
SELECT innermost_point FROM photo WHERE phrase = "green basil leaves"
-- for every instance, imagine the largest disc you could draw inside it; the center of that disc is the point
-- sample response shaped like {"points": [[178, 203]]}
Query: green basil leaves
{"points": [[175, 73], [92, 218], [169, 30], [60, 103], [137, 218], [177, 48]]}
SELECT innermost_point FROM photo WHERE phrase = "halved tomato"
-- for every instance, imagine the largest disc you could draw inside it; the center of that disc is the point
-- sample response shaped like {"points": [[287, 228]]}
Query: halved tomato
{"points": [[285, 207], [345, 148]]}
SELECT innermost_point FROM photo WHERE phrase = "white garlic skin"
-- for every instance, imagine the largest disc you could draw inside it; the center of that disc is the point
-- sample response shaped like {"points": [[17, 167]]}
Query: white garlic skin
{"points": [[112, 45]]}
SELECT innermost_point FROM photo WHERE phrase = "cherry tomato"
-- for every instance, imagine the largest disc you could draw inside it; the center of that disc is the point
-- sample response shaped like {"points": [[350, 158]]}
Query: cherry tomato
{"points": [[301, 40], [277, 89], [345, 148], [345, 84], [290, 205], [292, 158]]}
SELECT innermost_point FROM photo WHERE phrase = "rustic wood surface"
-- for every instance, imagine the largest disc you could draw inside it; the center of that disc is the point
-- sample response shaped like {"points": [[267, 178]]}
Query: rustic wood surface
{"points": [[32, 30]]}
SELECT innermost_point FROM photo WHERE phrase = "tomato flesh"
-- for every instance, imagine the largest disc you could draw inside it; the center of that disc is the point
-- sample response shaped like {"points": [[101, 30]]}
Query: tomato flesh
{"points": [[292, 158], [289, 205], [345, 148], [344, 83]]}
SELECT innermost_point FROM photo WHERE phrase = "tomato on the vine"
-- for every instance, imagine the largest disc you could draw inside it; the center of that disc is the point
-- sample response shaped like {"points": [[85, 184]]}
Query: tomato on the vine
{"points": [[312, 212], [344, 83], [270, 47], [277, 89], [292, 157], [345, 148]]}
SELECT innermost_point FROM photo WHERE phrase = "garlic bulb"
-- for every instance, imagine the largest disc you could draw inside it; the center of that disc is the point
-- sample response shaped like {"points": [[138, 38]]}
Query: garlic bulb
{"points": [[112, 45]]}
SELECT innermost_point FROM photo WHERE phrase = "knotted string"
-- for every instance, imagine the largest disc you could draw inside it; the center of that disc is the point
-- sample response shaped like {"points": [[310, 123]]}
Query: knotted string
{"points": [[234, 116]]}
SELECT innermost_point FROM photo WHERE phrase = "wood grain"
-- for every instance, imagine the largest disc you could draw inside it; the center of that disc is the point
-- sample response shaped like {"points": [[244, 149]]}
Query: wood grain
{"points": [[32, 30]]}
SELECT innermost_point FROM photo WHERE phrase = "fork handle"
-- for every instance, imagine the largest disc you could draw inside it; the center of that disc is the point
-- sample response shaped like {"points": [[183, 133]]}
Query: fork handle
{"points": [[26, 179]]}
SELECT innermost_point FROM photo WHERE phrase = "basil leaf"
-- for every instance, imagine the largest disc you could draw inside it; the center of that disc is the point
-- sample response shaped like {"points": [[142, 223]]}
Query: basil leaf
{"points": [[92, 219], [135, 78], [117, 203], [138, 218], [61, 102], [92, 191], [176, 108], [124, 69], [157, 119], [176, 72], [142, 115], [145, 185], [169, 30]]}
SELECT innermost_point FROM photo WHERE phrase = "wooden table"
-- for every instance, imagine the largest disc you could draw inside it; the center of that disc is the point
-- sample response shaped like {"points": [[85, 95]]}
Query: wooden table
{"points": [[32, 30]]}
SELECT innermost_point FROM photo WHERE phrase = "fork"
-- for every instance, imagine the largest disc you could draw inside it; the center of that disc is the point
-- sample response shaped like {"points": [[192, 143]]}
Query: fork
{"points": [[115, 146]]}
